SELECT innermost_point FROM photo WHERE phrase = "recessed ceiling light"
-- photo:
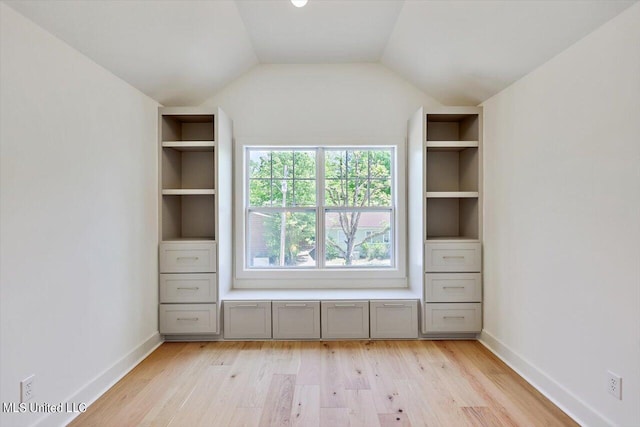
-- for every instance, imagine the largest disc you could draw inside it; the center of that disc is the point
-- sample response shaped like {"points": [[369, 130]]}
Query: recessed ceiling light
{"points": [[299, 3]]}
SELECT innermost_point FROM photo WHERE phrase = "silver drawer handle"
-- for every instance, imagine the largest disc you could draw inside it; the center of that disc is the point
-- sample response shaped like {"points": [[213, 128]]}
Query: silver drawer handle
{"points": [[295, 305], [245, 306], [453, 317], [393, 304], [453, 287], [195, 288], [195, 258], [344, 305], [191, 319], [453, 257]]}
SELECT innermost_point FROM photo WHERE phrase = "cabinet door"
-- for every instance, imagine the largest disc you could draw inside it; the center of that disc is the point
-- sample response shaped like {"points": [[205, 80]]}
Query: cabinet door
{"points": [[188, 319], [296, 319], [345, 319], [453, 317], [184, 288], [187, 257], [247, 319], [453, 287], [452, 257], [394, 319]]}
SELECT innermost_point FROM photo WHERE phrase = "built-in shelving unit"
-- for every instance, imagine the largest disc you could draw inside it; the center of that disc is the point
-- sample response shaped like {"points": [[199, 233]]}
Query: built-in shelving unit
{"points": [[195, 191], [188, 175], [445, 202], [451, 151]]}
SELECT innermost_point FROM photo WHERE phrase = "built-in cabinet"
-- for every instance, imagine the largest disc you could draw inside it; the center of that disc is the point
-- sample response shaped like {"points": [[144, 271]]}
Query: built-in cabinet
{"points": [[345, 319], [445, 216], [247, 319], [195, 146], [444, 239], [330, 319]]}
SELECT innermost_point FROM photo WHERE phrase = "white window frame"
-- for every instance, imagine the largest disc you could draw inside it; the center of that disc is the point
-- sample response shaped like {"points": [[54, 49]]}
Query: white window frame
{"points": [[319, 277]]}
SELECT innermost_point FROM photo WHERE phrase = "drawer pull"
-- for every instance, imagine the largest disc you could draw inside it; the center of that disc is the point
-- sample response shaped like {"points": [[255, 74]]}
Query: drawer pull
{"points": [[245, 306], [393, 304], [453, 257], [180, 258], [190, 319], [194, 288], [295, 305], [344, 305], [453, 287], [453, 317]]}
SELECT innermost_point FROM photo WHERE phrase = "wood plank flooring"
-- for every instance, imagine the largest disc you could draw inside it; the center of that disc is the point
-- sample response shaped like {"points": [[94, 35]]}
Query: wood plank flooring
{"points": [[315, 384]]}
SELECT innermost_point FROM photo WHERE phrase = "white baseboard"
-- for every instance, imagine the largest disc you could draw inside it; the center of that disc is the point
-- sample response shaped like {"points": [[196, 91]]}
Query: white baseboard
{"points": [[572, 405], [103, 382]]}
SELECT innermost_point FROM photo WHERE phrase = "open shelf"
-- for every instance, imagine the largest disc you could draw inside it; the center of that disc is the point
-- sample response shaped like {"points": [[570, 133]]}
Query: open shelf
{"points": [[188, 169], [192, 127], [453, 127], [188, 217], [452, 170], [452, 218]]}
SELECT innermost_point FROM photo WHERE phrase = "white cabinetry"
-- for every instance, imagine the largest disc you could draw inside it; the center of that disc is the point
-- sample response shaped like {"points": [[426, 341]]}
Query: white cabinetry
{"points": [[453, 287], [247, 319], [188, 319], [394, 319], [453, 317], [186, 288], [296, 319], [195, 192], [452, 257], [445, 217], [345, 319]]}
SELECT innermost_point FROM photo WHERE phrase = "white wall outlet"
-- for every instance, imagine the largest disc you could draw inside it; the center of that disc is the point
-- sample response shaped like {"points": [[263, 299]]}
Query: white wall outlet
{"points": [[26, 389], [614, 385]]}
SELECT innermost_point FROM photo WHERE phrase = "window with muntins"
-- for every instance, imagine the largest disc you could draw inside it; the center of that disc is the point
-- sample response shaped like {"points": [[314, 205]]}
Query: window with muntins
{"points": [[321, 208]]}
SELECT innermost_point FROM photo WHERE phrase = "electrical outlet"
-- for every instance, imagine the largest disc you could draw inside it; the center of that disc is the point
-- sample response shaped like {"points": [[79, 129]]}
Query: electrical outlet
{"points": [[614, 385], [26, 389]]}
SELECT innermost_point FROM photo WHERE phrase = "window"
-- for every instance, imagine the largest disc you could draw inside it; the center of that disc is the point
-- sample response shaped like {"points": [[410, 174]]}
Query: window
{"points": [[324, 208]]}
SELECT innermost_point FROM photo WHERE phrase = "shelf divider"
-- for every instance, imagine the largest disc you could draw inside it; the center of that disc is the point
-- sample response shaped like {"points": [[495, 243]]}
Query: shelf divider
{"points": [[452, 144], [452, 194], [189, 145], [188, 192]]}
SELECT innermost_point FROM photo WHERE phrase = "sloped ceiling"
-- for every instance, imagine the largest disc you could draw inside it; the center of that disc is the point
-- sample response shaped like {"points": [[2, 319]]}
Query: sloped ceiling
{"points": [[463, 52], [181, 52], [177, 52]]}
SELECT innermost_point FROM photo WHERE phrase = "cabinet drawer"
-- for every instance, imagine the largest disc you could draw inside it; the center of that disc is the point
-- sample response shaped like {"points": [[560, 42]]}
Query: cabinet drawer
{"points": [[193, 287], [345, 319], [188, 319], [453, 317], [394, 319], [247, 319], [296, 319], [187, 257], [452, 257], [453, 287]]}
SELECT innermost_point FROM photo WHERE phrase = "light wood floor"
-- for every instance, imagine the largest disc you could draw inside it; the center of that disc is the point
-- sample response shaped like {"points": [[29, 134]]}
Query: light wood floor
{"points": [[348, 383]]}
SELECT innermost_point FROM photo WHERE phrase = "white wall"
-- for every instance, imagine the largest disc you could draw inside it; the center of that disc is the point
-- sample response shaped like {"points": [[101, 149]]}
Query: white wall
{"points": [[319, 104], [562, 223], [78, 218], [333, 101]]}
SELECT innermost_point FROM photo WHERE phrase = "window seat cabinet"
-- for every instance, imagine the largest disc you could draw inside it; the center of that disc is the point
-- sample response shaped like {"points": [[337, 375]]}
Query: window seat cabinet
{"points": [[326, 319]]}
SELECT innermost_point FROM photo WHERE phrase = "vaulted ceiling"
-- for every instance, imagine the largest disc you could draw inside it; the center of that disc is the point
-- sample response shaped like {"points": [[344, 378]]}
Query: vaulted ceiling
{"points": [[181, 52]]}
